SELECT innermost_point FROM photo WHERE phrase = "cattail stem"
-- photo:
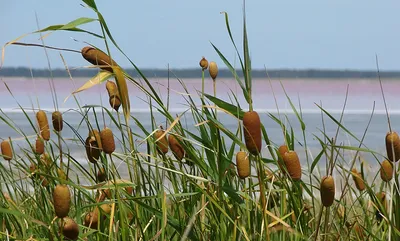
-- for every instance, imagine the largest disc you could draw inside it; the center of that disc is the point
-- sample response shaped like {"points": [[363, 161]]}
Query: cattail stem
{"points": [[260, 175]]}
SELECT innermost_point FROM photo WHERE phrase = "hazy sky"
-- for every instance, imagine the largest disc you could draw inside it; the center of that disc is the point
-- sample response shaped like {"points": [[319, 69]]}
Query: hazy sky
{"points": [[338, 34]]}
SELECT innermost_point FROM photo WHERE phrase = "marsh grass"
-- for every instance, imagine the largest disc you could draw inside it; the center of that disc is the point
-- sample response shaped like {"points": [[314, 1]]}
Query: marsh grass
{"points": [[198, 196]]}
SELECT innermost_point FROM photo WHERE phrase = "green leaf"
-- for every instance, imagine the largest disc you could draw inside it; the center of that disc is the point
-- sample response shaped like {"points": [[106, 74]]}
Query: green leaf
{"points": [[226, 106], [71, 26], [232, 194]]}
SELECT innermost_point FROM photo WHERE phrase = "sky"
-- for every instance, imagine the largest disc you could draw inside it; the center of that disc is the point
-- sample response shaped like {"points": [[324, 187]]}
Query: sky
{"points": [[338, 34]]}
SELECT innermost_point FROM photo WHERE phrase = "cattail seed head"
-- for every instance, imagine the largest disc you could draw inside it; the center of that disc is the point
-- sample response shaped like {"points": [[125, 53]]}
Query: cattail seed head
{"points": [[70, 229], [242, 164], [6, 150], [203, 63], [98, 57], [92, 219], [62, 200], [101, 175], [292, 164], [252, 131], [107, 140], [39, 146], [57, 120], [61, 174], [92, 149], [162, 144], [213, 69], [112, 88], [43, 125], [115, 100], [106, 208], [327, 191], [358, 179], [45, 160], [386, 171], [282, 150], [43, 181], [176, 147], [393, 146], [95, 133]]}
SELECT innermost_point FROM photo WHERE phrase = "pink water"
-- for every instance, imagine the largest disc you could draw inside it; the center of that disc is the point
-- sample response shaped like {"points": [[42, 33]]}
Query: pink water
{"points": [[330, 92]]}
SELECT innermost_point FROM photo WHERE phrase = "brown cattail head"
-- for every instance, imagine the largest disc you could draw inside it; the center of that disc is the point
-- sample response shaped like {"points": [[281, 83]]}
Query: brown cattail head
{"points": [[386, 171], [107, 140], [213, 69], [39, 146], [46, 160], [393, 146], [106, 208], [381, 196], [242, 164], [162, 144], [62, 200], [252, 131], [176, 147], [43, 124], [98, 57], [57, 120], [6, 150], [95, 133], [115, 100], [92, 219], [92, 150], [292, 164], [281, 152], [43, 181], [203, 63], [358, 179], [359, 231], [101, 175], [70, 229], [327, 191], [61, 174]]}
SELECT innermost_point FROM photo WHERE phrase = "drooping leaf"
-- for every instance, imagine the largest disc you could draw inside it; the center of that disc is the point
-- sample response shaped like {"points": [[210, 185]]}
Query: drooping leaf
{"points": [[99, 78]]}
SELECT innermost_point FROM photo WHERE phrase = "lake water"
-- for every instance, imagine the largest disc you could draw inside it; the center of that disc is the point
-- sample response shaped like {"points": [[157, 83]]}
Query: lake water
{"points": [[330, 93]]}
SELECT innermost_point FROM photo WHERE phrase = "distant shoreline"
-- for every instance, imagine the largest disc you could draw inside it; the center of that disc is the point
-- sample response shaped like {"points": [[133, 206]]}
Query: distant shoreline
{"points": [[196, 73]]}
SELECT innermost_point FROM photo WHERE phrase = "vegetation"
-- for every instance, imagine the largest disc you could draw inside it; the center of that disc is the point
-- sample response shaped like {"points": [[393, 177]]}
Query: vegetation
{"points": [[211, 185]]}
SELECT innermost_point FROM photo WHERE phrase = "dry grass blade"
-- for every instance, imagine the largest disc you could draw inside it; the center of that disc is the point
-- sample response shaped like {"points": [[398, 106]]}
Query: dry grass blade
{"points": [[123, 91]]}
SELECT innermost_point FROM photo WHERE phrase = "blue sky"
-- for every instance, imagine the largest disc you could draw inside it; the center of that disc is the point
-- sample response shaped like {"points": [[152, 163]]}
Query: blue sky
{"points": [[337, 34]]}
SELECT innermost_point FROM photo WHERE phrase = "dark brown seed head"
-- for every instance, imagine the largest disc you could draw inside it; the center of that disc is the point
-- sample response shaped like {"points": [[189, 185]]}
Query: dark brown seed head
{"points": [[176, 147], [393, 146], [71, 229], [112, 88], [162, 144], [62, 200], [6, 150], [292, 164], [43, 181], [39, 146], [358, 180], [92, 150], [203, 63], [107, 140], [101, 175], [242, 164], [386, 171], [252, 132], [327, 190], [98, 57], [96, 135], [57, 119], [115, 102], [43, 125]]}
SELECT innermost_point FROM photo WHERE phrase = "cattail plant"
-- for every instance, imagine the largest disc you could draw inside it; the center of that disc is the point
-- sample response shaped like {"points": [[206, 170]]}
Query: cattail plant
{"points": [[281, 152], [91, 219], [292, 164], [162, 144], [358, 179], [204, 64], [43, 125], [386, 171], [62, 200], [107, 140], [92, 149], [252, 132], [98, 57], [57, 120], [176, 147], [213, 69], [115, 99], [242, 164], [6, 150], [101, 175], [393, 146], [39, 146], [70, 229], [327, 191]]}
